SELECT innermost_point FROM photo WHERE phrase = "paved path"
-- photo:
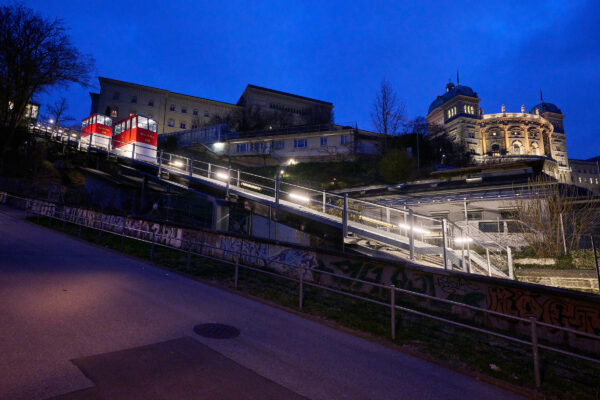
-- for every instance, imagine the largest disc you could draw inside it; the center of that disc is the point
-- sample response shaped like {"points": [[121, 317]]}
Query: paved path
{"points": [[63, 300]]}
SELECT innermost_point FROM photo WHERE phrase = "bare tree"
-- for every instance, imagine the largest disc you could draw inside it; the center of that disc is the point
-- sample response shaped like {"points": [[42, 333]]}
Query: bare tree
{"points": [[57, 111], [388, 112], [35, 54], [554, 216]]}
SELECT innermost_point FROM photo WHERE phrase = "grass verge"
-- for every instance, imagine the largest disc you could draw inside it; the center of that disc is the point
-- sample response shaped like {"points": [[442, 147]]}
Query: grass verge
{"points": [[562, 377]]}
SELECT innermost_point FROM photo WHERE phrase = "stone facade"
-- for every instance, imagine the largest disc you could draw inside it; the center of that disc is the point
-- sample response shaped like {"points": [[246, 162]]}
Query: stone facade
{"points": [[176, 112], [172, 111], [500, 137]]}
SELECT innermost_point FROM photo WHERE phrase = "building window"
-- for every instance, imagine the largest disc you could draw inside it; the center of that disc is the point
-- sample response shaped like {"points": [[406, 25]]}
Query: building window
{"points": [[134, 99], [183, 110], [255, 147], [194, 125], [206, 114], [195, 112], [116, 96], [469, 109], [171, 123], [516, 148], [242, 147], [278, 144], [323, 141], [471, 135], [299, 143], [182, 125], [451, 112], [344, 139], [474, 215], [115, 112], [493, 227], [172, 107], [151, 103]]}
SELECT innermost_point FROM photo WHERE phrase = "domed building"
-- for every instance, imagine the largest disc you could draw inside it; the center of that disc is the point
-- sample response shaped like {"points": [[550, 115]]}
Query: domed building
{"points": [[500, 137]]}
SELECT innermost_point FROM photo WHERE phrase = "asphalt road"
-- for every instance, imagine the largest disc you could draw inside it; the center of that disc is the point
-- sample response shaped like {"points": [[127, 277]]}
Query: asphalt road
{"points": [[79, 321]]}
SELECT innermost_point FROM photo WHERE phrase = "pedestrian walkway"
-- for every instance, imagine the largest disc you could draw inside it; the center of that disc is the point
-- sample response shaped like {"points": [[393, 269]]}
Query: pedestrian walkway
{"points": [[78, 321]]}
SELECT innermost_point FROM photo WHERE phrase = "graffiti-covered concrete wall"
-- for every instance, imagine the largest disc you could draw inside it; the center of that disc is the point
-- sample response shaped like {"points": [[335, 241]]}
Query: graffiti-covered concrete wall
{"points": [[578, 311]]}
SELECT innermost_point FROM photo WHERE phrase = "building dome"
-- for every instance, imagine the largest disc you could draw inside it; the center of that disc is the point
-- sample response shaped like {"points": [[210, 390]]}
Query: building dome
{"points": [[545, 107], [451, 92]]}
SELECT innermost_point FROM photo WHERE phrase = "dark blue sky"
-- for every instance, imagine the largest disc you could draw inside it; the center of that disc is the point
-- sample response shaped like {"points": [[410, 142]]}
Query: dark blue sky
{"points": [[339, 52]]}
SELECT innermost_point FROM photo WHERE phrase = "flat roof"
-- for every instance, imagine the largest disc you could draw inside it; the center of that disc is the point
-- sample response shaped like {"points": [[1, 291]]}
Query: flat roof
{"points": [[287, 94], [116, 81]]}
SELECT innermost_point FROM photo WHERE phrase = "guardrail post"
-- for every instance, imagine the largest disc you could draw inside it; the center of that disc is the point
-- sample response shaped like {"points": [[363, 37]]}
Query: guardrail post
{"points": [[189, 257], [133, 151], [123, 236], [160, 157], [444, 243], [228, 180], [152, 248], [238, 178], [301, 288], [411, 237], [387, 218], [534, 349], [596, 260], [345, 217], [277, 190], [489, 266], [324, 200], [393, 310], [209, 171], [511, 272], [236, 273]]}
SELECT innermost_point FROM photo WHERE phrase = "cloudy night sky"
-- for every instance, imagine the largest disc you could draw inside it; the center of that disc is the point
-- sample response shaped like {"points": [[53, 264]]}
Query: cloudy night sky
{"points": [[339, 52]]}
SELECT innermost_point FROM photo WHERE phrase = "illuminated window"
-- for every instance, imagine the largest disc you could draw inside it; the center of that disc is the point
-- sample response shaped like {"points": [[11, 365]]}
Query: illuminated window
{"points": [[299, 143], [115, 112], [469, 109], [451, 112]]}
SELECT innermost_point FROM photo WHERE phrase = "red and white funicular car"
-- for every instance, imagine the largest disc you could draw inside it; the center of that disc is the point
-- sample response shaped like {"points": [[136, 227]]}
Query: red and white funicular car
{"points": [[136, 137], [96, 131]]}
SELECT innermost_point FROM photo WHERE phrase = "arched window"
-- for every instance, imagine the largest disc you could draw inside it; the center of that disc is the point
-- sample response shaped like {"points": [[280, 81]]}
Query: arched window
{"points": [[534, 149], [516, 148], [496, 149]]}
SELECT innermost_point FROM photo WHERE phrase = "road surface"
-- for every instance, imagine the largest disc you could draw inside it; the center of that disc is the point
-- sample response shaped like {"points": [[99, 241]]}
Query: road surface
{"points": [[82, 322]]}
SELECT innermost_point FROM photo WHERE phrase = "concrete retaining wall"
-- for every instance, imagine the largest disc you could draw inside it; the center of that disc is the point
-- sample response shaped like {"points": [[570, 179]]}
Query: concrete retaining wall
{"points": [[578, 311]]}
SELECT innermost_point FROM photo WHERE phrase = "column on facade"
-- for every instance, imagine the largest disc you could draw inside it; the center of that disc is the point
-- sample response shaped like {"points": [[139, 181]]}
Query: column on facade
{"points": [[482, 135], [527, 139], [506, 139]]}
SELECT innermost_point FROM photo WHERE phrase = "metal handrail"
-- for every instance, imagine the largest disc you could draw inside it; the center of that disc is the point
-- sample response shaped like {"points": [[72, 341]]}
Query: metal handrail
{"points": [[393, 290]]}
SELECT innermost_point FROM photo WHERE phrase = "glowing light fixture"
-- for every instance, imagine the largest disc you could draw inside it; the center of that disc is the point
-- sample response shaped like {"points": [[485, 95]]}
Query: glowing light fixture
{"points": [[177, 163], [376, 221], [222, 175], [291, 161], [250, 186], [415, 228], [219, 146], [464, 239], [51, 120], [299, 197]]}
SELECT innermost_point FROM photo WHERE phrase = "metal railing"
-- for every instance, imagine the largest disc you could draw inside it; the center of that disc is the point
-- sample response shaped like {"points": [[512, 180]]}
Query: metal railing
{"points": [[240, 259], [418, 237]]}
